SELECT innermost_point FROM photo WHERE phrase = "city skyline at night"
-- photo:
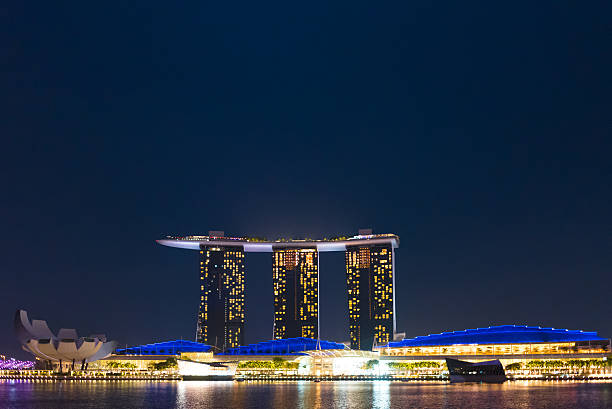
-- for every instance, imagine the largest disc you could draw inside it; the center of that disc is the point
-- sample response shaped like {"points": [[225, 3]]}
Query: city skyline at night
{"points": [[214, 193], [370, 268], [480, 135]]}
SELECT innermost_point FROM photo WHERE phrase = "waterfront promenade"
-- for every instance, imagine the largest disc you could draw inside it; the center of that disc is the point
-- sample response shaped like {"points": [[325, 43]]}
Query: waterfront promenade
{"points": [[41, 375]]}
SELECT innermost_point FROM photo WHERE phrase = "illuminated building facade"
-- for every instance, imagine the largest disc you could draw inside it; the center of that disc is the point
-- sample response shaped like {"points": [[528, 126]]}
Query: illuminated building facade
{"points": [[295, 277], [221, 313], [508, 342], [369, 279], [527, 352]]}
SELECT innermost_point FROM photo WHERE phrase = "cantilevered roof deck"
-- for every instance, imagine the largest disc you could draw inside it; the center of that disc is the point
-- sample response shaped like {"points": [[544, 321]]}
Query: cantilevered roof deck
{"points": [[255, 245]]}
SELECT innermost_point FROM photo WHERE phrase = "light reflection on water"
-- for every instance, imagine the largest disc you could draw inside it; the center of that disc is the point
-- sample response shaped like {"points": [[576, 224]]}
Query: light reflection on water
{"points": [[302, 395], [381, 397]]}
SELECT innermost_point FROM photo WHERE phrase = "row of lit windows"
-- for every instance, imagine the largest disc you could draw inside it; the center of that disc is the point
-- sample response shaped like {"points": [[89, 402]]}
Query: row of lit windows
{"points": [[496, 349]]}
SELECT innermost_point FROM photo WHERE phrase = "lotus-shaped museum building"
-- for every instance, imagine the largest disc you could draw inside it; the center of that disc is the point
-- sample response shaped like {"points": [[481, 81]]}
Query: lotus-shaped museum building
{"points": [[64, 348]]}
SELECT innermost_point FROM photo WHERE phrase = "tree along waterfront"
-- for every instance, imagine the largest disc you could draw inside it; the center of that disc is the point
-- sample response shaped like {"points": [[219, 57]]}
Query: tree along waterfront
{"points": [[417, 368], [276, 365], [564, 366]]}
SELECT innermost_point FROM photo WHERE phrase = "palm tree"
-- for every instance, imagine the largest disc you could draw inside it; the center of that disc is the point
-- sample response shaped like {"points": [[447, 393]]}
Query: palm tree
{"points": [[607, 363], [371, 364], [516, 366]]}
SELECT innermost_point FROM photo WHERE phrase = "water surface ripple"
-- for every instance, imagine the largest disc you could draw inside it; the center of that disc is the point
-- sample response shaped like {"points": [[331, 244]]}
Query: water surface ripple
{"points": [[256, 395]]}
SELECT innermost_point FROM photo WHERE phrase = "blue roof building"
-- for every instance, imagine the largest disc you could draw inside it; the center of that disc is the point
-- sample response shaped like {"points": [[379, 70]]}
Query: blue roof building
{"points": [[289, 346], [165, 348], [503, 334]]}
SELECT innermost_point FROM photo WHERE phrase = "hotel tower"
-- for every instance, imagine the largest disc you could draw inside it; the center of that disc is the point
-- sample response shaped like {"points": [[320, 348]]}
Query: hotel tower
{"points": [[369, 282], [295, 277], [221, 312]]}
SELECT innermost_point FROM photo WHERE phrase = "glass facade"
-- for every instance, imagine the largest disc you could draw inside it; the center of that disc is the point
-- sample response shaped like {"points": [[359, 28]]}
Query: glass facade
{"points": [[295, 276], [369, 279], [221, 313]]}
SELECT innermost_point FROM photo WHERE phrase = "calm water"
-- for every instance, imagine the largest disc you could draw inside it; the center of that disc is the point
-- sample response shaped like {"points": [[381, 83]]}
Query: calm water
{"points": [[142, 394]]}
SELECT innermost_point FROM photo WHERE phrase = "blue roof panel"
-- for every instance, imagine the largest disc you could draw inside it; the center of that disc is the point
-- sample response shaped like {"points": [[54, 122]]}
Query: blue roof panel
{"points": [[165, 348], [502, 334], [289, 346]]}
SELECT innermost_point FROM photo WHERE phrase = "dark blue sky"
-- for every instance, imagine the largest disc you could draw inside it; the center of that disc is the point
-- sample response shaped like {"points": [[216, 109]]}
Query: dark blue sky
{"points": [[479, 133]]}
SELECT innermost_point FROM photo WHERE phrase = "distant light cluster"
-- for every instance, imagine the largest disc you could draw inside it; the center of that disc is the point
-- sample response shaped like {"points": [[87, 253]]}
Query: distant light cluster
{"points": [[15, 364]]}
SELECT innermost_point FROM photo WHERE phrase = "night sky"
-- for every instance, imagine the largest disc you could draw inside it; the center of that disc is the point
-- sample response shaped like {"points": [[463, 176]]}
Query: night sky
{"points": [[479, 133]]}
